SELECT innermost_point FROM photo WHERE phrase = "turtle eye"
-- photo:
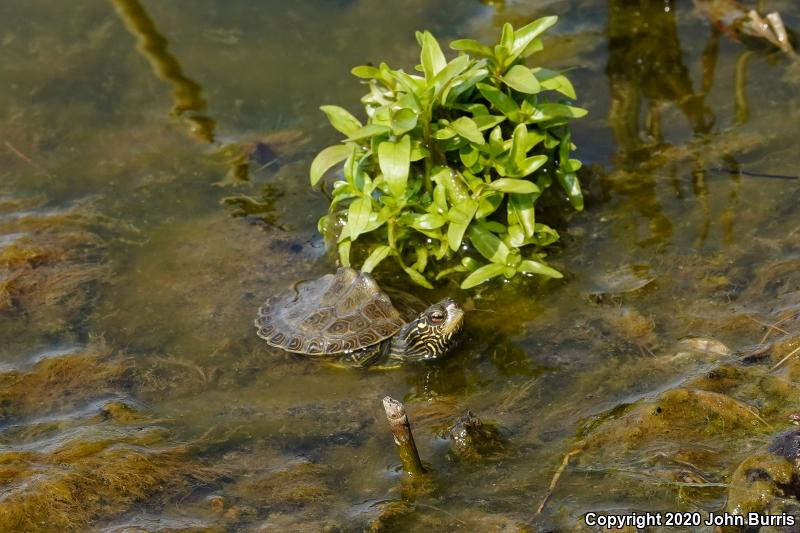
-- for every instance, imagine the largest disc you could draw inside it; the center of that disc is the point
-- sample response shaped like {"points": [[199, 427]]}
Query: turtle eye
{"points": [[437, 317]]}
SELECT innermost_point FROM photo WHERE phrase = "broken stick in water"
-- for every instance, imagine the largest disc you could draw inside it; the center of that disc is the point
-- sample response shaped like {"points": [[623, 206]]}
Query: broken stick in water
{"points": [[401, 429]]}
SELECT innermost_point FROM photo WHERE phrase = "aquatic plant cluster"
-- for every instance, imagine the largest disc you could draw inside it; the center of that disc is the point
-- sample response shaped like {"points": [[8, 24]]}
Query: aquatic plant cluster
{"points": [[453, 161]]}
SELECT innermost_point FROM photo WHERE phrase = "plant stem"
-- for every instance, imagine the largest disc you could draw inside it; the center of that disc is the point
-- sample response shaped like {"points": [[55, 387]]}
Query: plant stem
{"points": [[401, 429], [390, 229], [428, 161]]}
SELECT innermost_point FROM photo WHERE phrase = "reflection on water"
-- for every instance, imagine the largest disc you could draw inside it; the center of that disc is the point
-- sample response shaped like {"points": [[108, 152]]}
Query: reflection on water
{"points": [[657, 372], [187, 95], [645, 62]]}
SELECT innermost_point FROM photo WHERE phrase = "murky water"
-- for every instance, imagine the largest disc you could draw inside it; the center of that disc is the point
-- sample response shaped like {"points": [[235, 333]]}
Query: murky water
{"points": [[154, 190]]}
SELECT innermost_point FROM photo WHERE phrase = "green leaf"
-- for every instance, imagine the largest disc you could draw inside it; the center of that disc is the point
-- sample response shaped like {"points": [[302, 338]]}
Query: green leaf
{"points": [[496, 143], [487, 244], [531, 164], [473, 182], [519, 143], [431, 56], [326, 159], [462, 212], [439, 204], [535, 136], [394, 159], [468, 155], [482, 275], [464, 83], [370, 130], [382, 74], [470, 263], [504, 103], [444, 133], [484, 122], [460, 216], [515, 186], [344, 252], [475, 109], [448, 271], [349, 166], [380, 218], [501, 53], [554, 81], [467, 128], [489, 204], [507, 36], [417, 278], [473, 47], [366, 72], [535, 267], [493, 226], [535, 46], [427, 221], [403, 120], [358, 216], [422, 259], [569, 181], [520, 78], [454, 182], [545, 235], [521, 206], [341, 119], [378, 254], [418, 151], [551, 141], [450, 71], [382, 115], [549, 111], [516, 239], [564, 149], [414, 85], [526, 34], [566, 174]]}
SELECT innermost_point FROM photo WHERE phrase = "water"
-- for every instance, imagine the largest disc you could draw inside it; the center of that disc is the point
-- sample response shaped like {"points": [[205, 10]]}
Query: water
{"points": [[130, 367]]}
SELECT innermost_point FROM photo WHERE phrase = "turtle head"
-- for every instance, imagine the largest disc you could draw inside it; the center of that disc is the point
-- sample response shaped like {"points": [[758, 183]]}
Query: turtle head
{"points": [[431, 334]]}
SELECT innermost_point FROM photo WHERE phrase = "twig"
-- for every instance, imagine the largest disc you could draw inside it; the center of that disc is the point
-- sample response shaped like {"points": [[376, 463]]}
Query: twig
{"points": [[27, 159], [768, 326], [757, 416], [556, 476], [514, 397], [401, 429], [773, 326], [779, 363], [434, 508]]}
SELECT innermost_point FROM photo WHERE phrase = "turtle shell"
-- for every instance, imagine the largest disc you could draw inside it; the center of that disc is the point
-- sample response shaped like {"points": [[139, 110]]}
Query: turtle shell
{"points": [[334, 314]]}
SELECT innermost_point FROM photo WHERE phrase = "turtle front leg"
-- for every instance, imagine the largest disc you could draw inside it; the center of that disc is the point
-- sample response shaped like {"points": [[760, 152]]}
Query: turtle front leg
{"points": [[363, 358]]}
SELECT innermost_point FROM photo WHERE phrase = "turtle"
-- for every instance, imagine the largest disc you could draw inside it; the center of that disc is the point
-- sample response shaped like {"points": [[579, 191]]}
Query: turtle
{"points": [[346, 318]]}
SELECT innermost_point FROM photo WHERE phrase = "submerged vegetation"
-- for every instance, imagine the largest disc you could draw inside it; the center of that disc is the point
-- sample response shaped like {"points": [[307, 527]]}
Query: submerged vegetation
{"points": [[134, 395], [453, 162]]}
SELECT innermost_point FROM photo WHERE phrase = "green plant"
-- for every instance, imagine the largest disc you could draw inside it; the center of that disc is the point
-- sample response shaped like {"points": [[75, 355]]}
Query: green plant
{"points": [[453, 161]]}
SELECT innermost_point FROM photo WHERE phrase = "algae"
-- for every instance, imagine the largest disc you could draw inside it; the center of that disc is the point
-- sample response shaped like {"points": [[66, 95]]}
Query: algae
{"points": [[52, 263], [184, 387], [767, 481], [62, 381]]}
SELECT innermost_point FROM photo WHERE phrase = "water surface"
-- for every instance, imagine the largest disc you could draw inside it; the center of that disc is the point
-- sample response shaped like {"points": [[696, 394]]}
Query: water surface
{"points": [[122, 172]]}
